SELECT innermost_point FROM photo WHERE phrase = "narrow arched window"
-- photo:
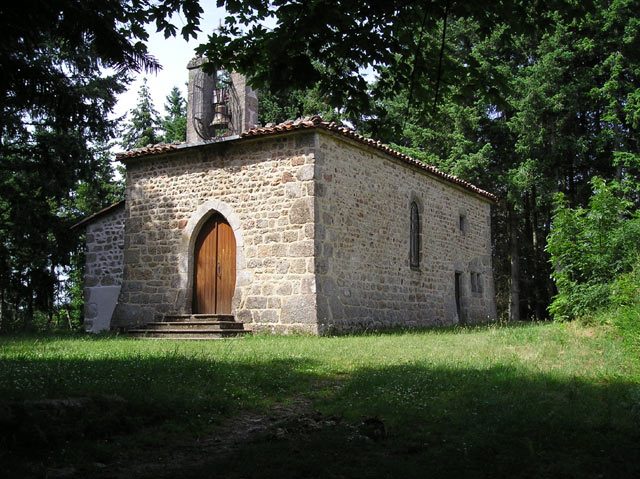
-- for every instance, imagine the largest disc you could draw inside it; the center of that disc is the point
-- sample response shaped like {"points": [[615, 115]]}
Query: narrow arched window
{"points": [[414, 241]]}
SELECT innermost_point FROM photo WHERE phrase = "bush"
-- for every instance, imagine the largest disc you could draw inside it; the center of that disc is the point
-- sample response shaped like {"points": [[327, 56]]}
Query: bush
{"points": [[625, 290], [593, 251], [580, 301]]}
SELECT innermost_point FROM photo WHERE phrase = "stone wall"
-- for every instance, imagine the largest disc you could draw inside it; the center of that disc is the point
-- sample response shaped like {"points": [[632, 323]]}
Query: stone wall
{"points": [[244, 107], [265, 190], [103, 268], [362, 211]]}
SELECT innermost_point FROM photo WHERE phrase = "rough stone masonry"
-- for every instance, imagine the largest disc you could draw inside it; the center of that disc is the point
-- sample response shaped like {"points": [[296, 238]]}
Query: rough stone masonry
{"points": [[103, 266], [322, 224]]}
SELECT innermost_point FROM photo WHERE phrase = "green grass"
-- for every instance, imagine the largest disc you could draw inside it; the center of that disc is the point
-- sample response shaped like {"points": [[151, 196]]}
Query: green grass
{"points": [[534, 400]]}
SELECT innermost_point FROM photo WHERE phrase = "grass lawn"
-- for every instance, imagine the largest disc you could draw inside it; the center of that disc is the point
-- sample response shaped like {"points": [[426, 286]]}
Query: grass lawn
{"points": [[533, 400]]}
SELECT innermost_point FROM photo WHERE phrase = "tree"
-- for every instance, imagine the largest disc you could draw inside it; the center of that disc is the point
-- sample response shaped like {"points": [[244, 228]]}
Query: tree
{"points": [[333, 44], [294, 103], [174, 123], [142, 127], [63, 65], [45, 153], [592, 247]]}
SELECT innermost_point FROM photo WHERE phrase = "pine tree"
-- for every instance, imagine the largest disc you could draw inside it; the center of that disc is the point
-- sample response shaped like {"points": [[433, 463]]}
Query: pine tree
{"points": [[45, 152], [142, 127], [174, 123], [54, 108]]}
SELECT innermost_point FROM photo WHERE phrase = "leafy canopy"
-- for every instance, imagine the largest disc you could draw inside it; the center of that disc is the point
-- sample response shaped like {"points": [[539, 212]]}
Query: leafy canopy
{"points": [[334, 44], [591, 248]]}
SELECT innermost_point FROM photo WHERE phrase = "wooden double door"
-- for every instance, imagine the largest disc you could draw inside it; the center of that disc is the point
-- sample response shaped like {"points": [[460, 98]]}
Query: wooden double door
{"points": [[214, 268]]}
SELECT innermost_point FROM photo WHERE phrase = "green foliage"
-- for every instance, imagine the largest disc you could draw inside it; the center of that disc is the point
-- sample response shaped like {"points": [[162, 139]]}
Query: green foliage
{"points": [[174, 123], [320, 43], [142, 128], [292, 104], [625, 289], [622, 313], [64, 64], [626, 320], [591, 248]]}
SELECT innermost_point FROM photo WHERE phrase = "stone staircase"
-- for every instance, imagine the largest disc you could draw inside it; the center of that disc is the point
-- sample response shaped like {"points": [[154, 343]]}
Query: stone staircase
{"points": [[192, 326]]}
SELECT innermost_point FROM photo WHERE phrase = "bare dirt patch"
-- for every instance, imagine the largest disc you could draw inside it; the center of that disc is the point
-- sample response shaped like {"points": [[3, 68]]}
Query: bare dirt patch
{"points": [[232, 434]]}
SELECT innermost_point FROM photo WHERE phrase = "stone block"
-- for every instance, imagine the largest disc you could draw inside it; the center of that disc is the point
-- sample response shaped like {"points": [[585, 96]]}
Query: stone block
{"points": [[269, 316], [274, 303], [291, 236], [299, 309], [284, 289], [308, 285], [287, 177], [301, 248], [305, 140], [301, 211], [282, 266], [244, 316], [255, 302], [293, 190], [306, 173]]}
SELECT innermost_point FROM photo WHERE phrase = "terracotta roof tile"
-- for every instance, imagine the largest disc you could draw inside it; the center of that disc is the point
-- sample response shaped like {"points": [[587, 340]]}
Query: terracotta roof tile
{"points": [[319, 123], [148, 150]]}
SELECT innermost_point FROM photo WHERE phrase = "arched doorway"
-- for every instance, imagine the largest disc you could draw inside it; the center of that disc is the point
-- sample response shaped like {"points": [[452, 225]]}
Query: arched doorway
{"points": [[214, 275]]}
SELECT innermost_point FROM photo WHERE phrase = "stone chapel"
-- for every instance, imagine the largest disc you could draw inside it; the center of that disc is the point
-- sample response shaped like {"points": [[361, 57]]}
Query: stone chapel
{"points": [[304, 226]]}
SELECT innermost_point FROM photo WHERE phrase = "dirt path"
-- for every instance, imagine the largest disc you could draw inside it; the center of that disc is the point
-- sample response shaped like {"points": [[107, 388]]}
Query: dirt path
{"points": [[224, 441]]}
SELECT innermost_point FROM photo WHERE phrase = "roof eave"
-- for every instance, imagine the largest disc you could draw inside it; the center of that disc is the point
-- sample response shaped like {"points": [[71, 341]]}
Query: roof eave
{"points": [[97, 215]]}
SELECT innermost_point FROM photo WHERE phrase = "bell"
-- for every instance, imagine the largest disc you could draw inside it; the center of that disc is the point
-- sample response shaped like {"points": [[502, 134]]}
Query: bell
{"points": [[220, 116]]}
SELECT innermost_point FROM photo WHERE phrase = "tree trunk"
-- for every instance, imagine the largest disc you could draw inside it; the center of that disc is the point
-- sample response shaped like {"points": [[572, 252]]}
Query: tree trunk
{"points": [[538, 260], [1, 309], [514, 296], [28, 318]]}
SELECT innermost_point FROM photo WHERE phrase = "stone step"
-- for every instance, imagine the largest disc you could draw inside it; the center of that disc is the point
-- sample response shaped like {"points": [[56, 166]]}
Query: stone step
{"points": [[173, 318], [187, 333], [191, 325], [196, 337]]}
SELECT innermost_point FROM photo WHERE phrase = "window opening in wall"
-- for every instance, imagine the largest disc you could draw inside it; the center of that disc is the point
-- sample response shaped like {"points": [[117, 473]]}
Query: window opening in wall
{"points": [[463, 223], [458, 280], [476, 283], [414, 241]]}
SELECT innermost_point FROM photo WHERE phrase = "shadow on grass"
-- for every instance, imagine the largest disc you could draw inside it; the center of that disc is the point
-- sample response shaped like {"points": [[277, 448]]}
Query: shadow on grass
{"points": [[440, 422], [141, 401], [496, 422]]}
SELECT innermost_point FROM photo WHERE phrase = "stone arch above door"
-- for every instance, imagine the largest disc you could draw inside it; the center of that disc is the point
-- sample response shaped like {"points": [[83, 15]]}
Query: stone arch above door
{"points": [[189, 235]]}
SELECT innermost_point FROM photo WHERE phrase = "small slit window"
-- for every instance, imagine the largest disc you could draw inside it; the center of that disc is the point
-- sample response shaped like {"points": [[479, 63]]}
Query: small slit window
{"points": [[476, 283], [463, 223], [414, 243]]}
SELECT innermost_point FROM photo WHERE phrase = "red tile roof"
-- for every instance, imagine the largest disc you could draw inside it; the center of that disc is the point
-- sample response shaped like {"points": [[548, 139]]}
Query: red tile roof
{"points": [[318, 123], [149, 150]]}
